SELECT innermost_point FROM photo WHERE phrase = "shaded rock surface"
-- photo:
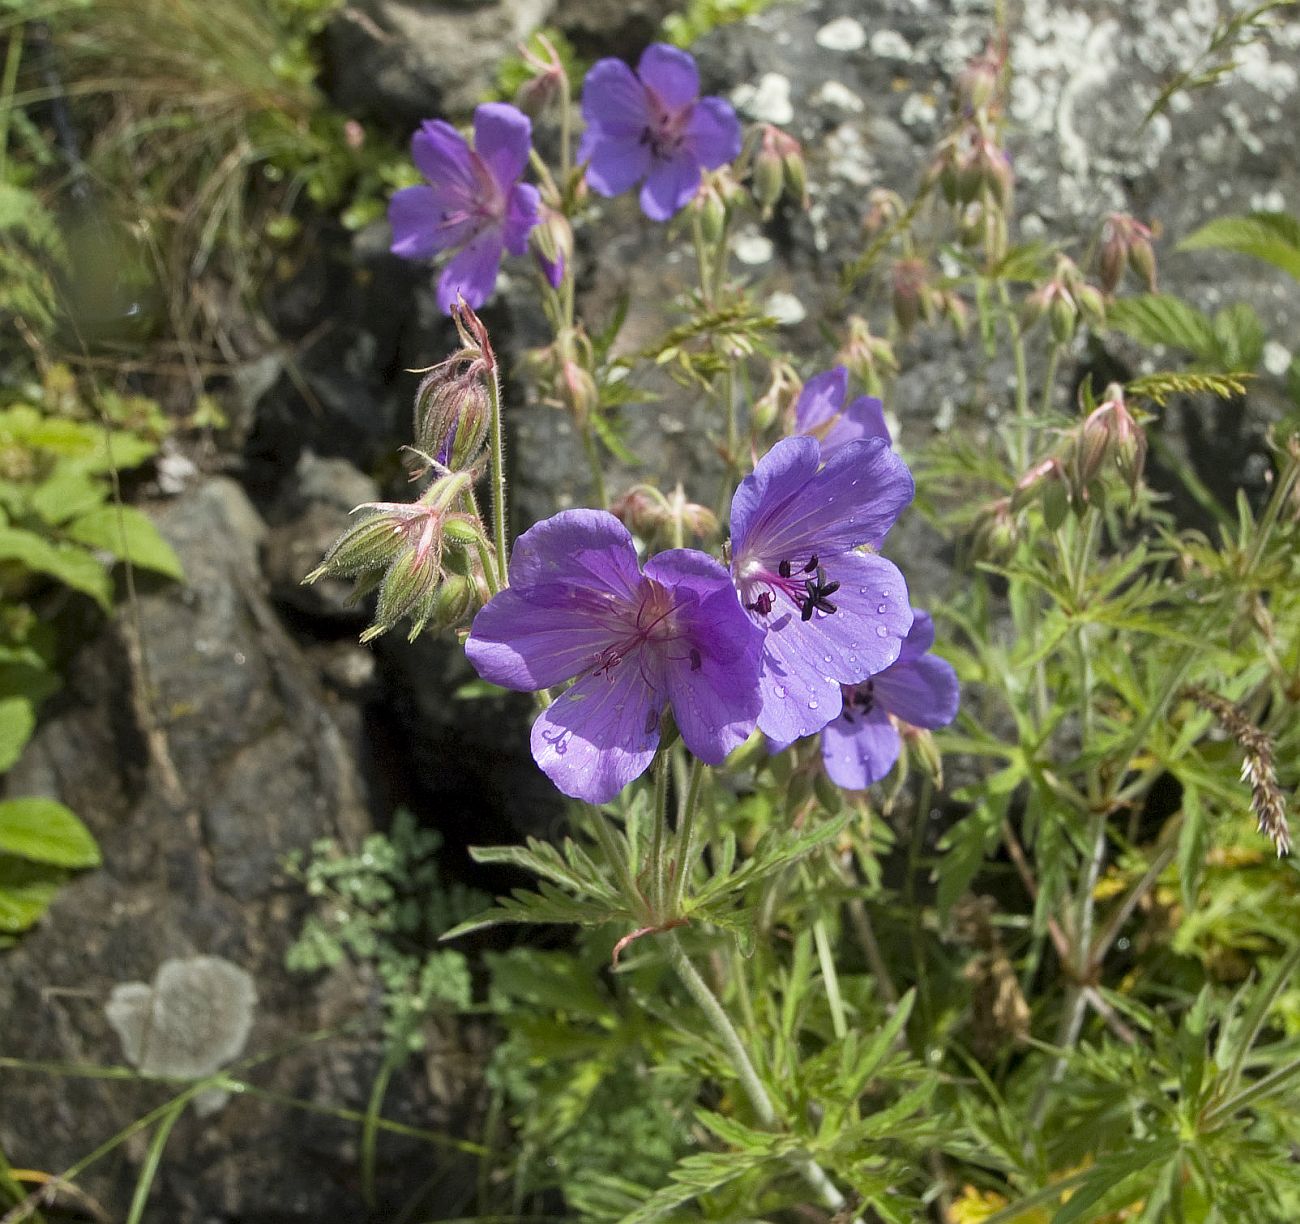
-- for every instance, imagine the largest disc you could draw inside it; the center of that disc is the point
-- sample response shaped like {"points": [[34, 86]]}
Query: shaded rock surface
{"points": [[232, 755]]}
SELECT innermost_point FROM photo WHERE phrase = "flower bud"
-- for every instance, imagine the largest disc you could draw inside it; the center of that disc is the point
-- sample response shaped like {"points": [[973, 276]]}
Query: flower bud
{"points": [[911, 293], [1092, 306], [1063, 316], [370, 543], [551, 241], [452, 602], [1143, 258], [768, 179], [796, 174], [1030, 486], [452, 416], [712, 211], [546, 84], [410, 581], [923, 748], [1112, 259], [977, 83], [689, 517], [642, 509], [778, 400], [577, 391], [995, 532]]}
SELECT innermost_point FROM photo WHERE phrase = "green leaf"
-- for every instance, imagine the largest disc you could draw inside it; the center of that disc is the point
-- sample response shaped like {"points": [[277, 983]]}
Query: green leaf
{"points": [[1270, 236], [66, 493], [1112, 1176], [17, 722], [26, 889], [1158, 318], [128, 533], [44, 831], [1192, 838], [69, 564]]}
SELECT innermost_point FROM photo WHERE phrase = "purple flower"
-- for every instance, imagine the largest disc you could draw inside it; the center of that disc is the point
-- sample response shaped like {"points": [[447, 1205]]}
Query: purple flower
{"points": [[475, 201], [579, 607], [862, 744], [653, 125], [831, 615], [820, 411]]}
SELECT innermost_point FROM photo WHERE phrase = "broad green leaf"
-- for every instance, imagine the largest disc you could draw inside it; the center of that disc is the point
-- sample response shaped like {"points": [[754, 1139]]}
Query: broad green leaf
{"points": [[44, 831], [67, 492], [26, 889], [1272, 237], [130, 534], [1158, 318], [68, 563], [17, 722]]}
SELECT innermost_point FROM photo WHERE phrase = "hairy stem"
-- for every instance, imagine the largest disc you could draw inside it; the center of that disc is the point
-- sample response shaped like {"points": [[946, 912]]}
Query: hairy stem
{"points": [[498, 476], [721, 1024]]}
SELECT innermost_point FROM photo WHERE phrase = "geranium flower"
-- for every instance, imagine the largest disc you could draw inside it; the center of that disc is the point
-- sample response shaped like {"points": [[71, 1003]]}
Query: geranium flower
{"points": [[653, 125], [579, 607], [474, 201], [831, 615], [862, 744], [820, 412]]}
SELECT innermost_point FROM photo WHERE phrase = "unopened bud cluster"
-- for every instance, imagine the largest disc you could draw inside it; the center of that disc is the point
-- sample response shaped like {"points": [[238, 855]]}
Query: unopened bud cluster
{"points": [[778, 170], [660, 518], [1109, 438], [1125, 243], [424, 557], [869, 358], [1065, 301]]}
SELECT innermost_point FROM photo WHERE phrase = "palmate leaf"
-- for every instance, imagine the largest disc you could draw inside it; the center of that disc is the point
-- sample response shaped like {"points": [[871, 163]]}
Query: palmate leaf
{"points": [[1271, 236], [571, 888], [705, 1172], [776, 849], [1159, 318], [549, 906]]}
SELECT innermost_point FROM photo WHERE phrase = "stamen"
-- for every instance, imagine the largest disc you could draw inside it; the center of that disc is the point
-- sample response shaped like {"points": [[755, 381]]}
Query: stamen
{"points": [[784, 569], [812, 564]]}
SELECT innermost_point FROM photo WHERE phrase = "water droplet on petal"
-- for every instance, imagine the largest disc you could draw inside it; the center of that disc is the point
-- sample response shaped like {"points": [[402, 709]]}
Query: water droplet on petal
{"points": [[881, 631], [812, 703], [780, 690], [881, 608], [826, 658], [862, 590]]}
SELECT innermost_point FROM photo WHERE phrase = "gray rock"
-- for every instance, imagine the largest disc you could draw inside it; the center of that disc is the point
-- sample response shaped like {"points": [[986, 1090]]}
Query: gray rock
{"points": [[198, 764], [405, 61], [313, 509]]}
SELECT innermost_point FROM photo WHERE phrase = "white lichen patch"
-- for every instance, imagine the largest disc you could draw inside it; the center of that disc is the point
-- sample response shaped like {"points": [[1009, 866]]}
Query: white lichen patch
{"points": [[839, 97], [1277, 358], [785, 308], [191, 1020], [848, 157], [842, 34], [768, 101], [753, 248], [890, 44]]}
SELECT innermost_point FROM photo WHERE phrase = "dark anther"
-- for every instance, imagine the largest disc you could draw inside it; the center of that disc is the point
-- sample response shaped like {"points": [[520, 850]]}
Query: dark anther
{"points": [[762, 605], [812, 564], [816, 595], [696, 661], [784, 569]]}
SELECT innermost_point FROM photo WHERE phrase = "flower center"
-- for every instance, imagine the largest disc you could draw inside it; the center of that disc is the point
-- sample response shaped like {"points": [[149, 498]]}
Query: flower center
{"points": [[806, 585], [859, 699], [666, 131], [654, 623]]}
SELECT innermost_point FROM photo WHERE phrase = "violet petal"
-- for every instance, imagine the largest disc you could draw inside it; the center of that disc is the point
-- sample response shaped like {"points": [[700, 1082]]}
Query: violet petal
{"points": [[860, 748], [600, 735]]}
